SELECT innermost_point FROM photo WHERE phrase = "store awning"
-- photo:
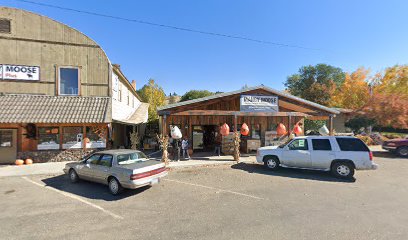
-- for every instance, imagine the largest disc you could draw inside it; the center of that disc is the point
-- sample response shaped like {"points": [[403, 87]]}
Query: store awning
{"points": [[140, 115], [24, 108]]}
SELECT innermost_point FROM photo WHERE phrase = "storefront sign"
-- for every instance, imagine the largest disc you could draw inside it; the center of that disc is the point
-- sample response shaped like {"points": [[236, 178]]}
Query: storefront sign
{"points": [[253, 103], [19, 72]]}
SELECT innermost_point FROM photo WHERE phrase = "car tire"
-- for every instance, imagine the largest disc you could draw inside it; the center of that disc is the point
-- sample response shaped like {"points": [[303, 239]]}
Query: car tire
{"points": [[114, 186], [343, 170], [402, 151], [73, 176], [271, 162]]}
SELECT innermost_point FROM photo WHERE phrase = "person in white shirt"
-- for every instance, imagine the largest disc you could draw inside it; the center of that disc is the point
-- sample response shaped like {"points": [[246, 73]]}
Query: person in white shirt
{"points": [[184, 147]]}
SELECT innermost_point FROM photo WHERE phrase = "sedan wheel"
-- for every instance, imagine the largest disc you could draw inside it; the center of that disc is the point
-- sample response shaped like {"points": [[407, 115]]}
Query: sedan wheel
{"points": [[403, 151], [114, 186], [73, 176]]}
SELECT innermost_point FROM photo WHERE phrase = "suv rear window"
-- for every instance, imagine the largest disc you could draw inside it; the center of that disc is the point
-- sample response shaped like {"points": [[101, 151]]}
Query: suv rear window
{"points": [[352, 144]]}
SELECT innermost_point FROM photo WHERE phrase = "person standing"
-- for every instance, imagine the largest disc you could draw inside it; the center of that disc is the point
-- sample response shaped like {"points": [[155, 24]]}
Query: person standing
{"points": [[218, 140], [184, 147]]}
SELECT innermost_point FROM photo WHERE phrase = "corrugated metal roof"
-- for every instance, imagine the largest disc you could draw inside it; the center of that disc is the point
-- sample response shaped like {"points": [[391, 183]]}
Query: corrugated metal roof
{"points": [[16, 108], [279, 93]]}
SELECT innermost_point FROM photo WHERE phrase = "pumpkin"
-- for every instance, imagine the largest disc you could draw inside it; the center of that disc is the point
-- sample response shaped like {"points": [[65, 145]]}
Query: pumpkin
{"points": [[281, 129], [28, 161], [224, 130], [297, 130], [19, 162], [244, 129]]}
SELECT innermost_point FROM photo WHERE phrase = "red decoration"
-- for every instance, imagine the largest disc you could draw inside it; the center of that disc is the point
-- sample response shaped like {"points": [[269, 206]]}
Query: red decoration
{"points": [[224, 130], [19, 162], [297, 130], [28, 161], [244, 129], [281, 130]]}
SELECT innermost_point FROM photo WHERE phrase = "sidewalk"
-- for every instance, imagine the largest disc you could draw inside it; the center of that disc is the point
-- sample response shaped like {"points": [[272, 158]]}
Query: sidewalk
{"points": [[56, 167]]}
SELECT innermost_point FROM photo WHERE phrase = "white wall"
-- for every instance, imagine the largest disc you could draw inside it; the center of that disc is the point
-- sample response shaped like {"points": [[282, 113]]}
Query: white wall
{"points": [[121, 110]]}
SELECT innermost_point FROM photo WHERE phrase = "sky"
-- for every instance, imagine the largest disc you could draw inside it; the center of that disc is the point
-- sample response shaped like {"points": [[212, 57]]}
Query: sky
{"points": [[346, 34]]}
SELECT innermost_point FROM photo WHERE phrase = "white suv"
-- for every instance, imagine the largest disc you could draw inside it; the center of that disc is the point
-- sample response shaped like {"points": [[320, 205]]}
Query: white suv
{"points": [[340, 155]]}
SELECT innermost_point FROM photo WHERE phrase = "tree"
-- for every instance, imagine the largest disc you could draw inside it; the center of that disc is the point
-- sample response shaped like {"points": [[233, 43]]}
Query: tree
{"points": [[354, 92], [393, 81], [172, 99], [315, 83], [359, 122], [194, 94], [389, 110], [154, 95]]}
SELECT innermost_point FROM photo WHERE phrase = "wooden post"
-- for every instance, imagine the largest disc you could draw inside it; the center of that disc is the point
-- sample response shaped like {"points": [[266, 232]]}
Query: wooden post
{"points": [[331, 133], [289, 125], [235, 123], [164, 125]]}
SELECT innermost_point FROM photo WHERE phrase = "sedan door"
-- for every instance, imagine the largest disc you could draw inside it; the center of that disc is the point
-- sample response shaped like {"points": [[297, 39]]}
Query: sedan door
{"points": [[103, 168], [297, 154], [87, 169]]}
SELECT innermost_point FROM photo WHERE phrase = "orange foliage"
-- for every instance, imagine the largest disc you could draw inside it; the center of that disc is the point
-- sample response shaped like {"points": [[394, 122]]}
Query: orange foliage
{"points": [[394, 81], [354, 92]]}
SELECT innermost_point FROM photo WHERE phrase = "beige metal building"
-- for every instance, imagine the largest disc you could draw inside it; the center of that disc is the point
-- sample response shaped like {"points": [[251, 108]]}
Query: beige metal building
{"points": [[55, 90]]}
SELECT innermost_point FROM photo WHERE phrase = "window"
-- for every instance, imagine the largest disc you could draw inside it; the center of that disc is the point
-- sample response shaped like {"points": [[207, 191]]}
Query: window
{"points": [[255, 131], [48, 138], [352, 144], [106, 161], [298, 144], [72, 137], [120, 93], [321, 144], [128, 98], [95, 137], [69, 82], [93, 159], [130, 158], [6, 138], [5, 26]]}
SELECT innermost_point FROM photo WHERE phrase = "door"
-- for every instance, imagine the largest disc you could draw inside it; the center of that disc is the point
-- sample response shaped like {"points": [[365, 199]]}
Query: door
{"points": [[297, 154], [198, 143], [322, 153], [8, 145], [102, 170], [88, 169]]}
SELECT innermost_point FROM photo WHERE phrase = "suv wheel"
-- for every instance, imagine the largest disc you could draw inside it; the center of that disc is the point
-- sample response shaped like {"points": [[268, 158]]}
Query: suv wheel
{"points": [[343, 170], [114, 186], [271, 162], [402, 151]]}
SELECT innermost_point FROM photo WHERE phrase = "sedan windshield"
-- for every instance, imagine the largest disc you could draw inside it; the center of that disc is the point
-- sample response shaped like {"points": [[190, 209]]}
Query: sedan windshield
{"points": [[130, 158]]}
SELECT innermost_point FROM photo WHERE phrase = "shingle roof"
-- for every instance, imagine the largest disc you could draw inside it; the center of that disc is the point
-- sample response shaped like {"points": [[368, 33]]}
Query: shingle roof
{"points": [[139, 116], [16, 108], [279, 93]]}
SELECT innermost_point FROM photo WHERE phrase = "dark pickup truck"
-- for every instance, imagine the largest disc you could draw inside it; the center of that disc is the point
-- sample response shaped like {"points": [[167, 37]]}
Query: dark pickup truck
{"points": [[399, 146]]}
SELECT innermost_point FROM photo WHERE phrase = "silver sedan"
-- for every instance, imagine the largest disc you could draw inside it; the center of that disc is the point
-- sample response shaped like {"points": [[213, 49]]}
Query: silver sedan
{"points": [[118, 169]]}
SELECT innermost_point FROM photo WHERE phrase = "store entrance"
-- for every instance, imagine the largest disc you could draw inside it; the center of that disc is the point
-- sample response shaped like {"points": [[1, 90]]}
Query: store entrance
{"points": [[204, 138], [8, 145]]}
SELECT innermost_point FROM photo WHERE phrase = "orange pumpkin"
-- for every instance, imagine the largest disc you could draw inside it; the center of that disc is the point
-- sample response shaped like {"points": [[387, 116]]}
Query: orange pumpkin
{"points": [[224, 130], [281, 130], [244, 129], [297, 130], [28, 161], [19, 162]]}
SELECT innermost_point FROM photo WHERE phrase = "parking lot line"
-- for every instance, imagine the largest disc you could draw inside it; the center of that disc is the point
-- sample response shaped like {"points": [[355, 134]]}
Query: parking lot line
{"points": [[213, 188], [74, 197]]}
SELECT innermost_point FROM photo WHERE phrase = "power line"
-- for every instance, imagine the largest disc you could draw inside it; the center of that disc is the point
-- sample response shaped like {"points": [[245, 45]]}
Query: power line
{"points": [[168, 26]]}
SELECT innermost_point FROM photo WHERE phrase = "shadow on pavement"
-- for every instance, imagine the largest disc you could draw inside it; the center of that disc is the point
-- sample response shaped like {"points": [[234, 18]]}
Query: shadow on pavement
{"points": [[290, 173], [89, 189]]}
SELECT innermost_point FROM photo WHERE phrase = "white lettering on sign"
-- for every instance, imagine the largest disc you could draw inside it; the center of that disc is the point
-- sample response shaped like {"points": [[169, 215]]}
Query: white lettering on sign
{"points": [[254, 103], [19, 72]]}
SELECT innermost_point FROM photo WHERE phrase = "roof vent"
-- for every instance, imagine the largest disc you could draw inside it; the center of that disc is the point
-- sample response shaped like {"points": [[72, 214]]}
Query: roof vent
{"points": [[5, 26]]}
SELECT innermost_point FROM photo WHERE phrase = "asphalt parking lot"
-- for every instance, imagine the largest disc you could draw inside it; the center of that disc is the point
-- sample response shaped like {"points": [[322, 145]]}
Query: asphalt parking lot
{"points": [[242, 201]]}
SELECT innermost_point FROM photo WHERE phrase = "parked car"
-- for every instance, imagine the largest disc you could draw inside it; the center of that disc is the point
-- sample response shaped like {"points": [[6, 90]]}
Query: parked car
{"points": [[399, 146], [340, 155], [118, 169]]}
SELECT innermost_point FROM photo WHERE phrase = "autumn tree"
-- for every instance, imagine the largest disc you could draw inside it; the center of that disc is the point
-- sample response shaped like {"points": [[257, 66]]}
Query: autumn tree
{"points": [[153, 94], [393, 81], [315, 83], [194, 94], [354, 92]]}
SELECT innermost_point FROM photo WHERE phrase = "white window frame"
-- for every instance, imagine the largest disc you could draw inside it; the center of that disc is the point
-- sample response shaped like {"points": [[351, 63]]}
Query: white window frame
{"points": [[59, 80]]}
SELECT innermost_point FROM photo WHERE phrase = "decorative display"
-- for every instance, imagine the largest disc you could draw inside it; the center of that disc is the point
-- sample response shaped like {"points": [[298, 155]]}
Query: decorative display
{"points": [[237, 140], [19, 162], [164, 143], [297, 130], [175, 132], [281, 130], [244, 129], [28, 161], [324, 131], [224, 130]]}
